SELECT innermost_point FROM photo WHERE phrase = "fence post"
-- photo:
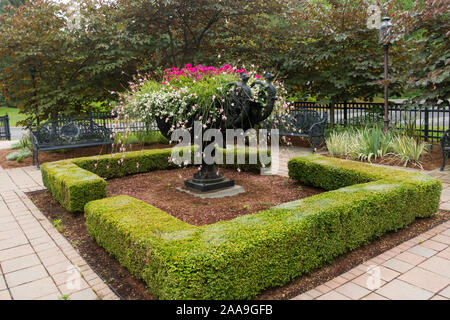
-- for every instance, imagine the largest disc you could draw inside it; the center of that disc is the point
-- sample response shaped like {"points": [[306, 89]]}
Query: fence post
{"points": [[331, 107], [426, 128], [7, 128], [345, 112]]}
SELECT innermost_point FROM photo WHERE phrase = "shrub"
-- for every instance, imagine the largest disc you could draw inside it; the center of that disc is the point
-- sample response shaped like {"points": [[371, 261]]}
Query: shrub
{"points": [[237, 259], [24, 143], [71, 185], [19, 155], [140, 137]]}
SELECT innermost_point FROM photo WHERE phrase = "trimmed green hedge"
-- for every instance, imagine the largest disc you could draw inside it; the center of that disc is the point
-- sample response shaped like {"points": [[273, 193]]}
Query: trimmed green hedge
{"points": [[237, 259], [76, 182], [71, 185]]}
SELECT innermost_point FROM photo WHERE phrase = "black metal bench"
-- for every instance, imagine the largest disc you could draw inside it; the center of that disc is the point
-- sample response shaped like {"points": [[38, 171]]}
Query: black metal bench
{"points": [[445, 147], [5, 131], [304, 124], [69, 133]]}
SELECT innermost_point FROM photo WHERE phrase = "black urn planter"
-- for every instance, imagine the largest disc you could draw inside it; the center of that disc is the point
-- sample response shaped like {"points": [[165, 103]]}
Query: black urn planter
{"points": [[242, 111]]}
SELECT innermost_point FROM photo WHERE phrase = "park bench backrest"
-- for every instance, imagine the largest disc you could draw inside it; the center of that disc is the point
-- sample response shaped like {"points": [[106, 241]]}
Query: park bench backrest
{"points": [[70, 131], [304, 119]]}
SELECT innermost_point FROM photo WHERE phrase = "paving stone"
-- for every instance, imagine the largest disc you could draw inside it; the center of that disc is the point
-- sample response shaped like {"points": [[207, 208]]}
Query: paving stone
{"points": [[435, 245], [323, 289], [374, 296], [70, 287], [2, 283], [9, 226], [15, 252], [104, 292], [34, 290], [400, 290], [59, 267], [445, 254], [438, 297], [332, 284], [442, 239], [425, 279], [5, 235], [333, 295], [437, 265], [410, 258], [49, 253], [352, 290], [398, 265], [366, 281], [19, 277], [45, 246], [20, 263], [61, 278], [86, 294], [94, 281], [13, 242], [111, 296], [348, 275], [4, 295], [422, 251], [445, 292], [313, 293], [55, 259], [303, 296], [53, 296]]}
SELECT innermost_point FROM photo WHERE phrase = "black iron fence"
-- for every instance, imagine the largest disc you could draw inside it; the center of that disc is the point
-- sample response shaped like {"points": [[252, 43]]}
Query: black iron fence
{"points": [[111, 121], [428, 123], [5, 132]]}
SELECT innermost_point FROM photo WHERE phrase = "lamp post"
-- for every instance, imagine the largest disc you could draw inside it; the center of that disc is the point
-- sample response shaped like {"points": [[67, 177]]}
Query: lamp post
{"points": [[385, 40]]}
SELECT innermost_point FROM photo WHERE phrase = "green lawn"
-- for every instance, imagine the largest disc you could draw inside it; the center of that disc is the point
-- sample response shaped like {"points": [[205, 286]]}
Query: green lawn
{"points": [[13, 114]]}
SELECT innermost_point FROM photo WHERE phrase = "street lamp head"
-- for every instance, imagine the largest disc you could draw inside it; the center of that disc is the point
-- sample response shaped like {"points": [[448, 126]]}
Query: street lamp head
{"points": [[386, 31]]}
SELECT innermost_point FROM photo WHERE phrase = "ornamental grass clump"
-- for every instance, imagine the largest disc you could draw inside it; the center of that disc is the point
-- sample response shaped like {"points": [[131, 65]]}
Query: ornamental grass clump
{"points": [[408, 149], [372, 143]]}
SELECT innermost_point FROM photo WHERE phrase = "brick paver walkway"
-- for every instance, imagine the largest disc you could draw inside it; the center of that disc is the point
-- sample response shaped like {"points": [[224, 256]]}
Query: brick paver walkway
{"points": [[36, 261], [418, 269]]}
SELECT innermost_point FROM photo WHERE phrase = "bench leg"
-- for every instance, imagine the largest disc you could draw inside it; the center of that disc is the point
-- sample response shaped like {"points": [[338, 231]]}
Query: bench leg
{"points": [[316, 142], [444, 155], [34, 157], [37, 159]]}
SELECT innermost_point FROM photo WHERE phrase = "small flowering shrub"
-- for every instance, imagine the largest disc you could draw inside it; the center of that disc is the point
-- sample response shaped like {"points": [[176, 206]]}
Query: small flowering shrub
{"points": [[190, 93]]}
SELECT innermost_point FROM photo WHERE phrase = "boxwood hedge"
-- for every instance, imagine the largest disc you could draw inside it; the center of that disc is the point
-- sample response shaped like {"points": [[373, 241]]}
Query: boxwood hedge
{"points": [[239, 258]]}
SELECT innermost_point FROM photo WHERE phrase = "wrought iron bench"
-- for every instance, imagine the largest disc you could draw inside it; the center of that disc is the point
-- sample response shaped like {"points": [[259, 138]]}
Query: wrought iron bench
{"points": [[5, 132], [304, 124], [445, 147], [69, 133]]}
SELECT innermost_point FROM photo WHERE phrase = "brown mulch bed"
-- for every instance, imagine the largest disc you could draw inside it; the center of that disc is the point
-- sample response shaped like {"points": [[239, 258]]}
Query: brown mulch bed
{"points": [[430, 161], [130, 288], [158, 188], [49, 156]]}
